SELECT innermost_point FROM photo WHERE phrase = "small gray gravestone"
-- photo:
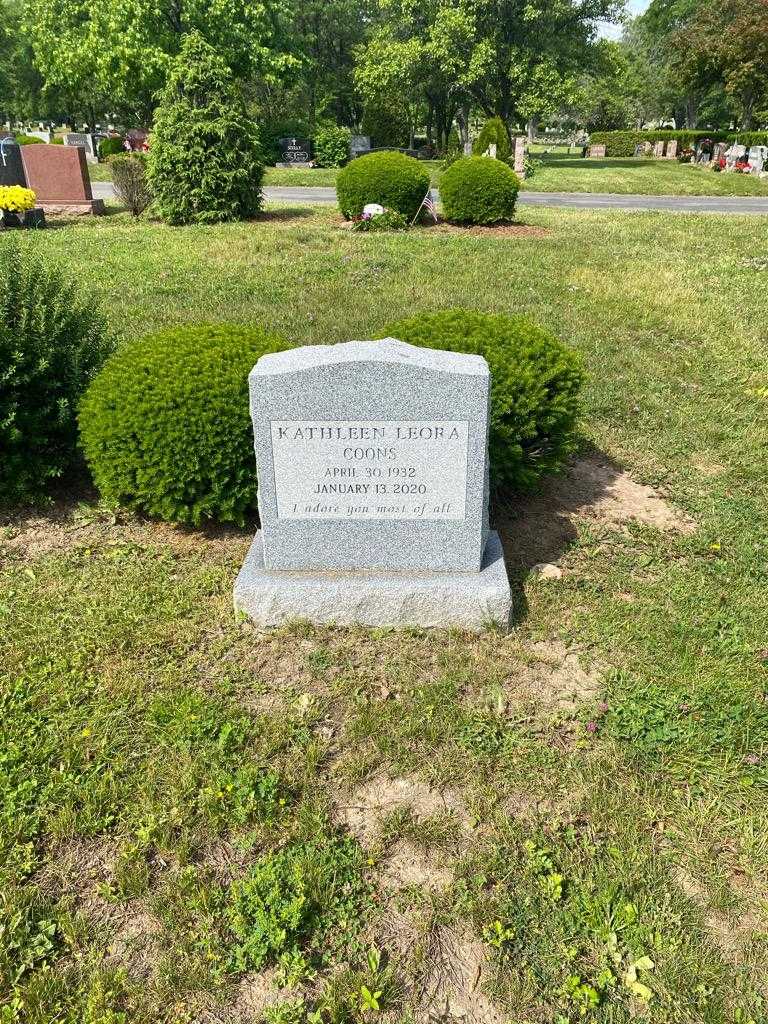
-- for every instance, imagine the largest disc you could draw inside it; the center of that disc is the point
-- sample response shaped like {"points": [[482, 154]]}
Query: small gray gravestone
{"points": [[11, 165], [520, 156], [87, 141], [359, 144], [757, 157], [372, 462]]}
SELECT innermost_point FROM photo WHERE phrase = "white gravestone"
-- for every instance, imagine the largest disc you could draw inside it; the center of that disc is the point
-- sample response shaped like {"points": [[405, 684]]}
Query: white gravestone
{"points": [[373, 489]]}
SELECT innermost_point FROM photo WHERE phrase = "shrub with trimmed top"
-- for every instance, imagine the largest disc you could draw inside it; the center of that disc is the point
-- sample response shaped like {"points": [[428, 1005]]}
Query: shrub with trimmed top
{"points": [[205, 162], [165, 426], [394, 180], [535, 384], [478, 190], [51, 342]]}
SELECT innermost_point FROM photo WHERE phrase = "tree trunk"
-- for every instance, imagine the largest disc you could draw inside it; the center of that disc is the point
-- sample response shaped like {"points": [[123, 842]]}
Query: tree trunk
{"points": [[533, 127], [691, 112], [462, 120]]}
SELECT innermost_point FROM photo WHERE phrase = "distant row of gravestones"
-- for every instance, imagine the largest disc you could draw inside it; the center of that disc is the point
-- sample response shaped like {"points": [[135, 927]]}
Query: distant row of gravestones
{"points": [[704, 153]]}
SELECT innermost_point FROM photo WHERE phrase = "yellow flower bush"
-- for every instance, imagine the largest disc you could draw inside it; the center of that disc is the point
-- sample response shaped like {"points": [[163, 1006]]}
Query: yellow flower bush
{"points": [[16, 198]]}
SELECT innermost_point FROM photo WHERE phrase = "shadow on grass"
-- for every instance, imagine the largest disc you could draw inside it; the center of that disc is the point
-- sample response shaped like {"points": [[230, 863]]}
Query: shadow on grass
{"points": [[563, 160], [283, 214], [540, 527]]}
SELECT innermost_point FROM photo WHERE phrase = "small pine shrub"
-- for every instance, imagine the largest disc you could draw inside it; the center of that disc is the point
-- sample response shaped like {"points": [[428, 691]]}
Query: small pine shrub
{"points": [[493, 131], [332, 146], [478, 190], [394, 180], [110, 146], [204, 158], [51, 342], [165, 426], [535, 384], [129, 179], [29, 140]]}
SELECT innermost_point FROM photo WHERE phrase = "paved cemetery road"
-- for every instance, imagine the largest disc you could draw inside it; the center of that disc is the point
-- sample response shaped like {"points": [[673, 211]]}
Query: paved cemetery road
{"points": [[580, 200]]}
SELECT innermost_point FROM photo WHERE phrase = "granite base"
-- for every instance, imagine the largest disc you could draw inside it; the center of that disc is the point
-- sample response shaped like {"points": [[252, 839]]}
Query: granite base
{"points": [[471, 601], [56, 207]]}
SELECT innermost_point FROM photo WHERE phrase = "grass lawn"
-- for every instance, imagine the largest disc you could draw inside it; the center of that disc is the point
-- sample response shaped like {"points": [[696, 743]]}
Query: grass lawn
{"points": [[563, 173], [567, 823]]}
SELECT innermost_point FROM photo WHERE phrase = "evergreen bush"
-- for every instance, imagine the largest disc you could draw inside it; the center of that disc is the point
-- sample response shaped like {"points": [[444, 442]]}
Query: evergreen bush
{"points": [[110, 146], [332, 145], [51, 342], [165, 425], [204, 159], [394, 180], [478, 190], [535, 384], [129, 179], [493, 131]]}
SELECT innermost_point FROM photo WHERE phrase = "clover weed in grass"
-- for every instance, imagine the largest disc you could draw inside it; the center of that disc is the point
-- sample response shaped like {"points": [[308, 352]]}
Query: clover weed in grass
{"points": [[309, 897]]}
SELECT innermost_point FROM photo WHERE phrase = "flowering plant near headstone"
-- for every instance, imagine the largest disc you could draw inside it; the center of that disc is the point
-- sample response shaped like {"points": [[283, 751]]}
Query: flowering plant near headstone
{"points": [[387, 220], [16, 198]]}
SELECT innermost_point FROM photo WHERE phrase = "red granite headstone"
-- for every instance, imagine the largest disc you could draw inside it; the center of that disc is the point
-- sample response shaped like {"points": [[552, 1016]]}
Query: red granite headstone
{"points": [[59, 177]]}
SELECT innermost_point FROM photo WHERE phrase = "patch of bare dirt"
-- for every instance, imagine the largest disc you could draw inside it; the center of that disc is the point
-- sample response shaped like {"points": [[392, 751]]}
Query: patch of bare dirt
{"points": [[491, 230], [68, 525], [254, 993], [376, 798], [452, 988], [732, 933], [408, 865], [78, 869], [537, 529], [554, 677]]}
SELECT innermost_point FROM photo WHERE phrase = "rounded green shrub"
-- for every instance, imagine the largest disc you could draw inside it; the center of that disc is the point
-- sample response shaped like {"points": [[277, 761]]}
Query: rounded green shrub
{"points": [[51, 342], [478, 190], [110, 146], [29, 140], [397, 181], [535, 384], [165, 425], [205, 162]]}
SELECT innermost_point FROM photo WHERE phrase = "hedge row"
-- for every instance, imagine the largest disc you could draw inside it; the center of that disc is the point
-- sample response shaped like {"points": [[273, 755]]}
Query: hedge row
{"points": [[623, 143]]}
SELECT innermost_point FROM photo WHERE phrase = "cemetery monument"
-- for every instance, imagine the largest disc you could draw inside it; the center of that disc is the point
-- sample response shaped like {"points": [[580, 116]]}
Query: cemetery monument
{"points": [[59, 177], [372, 462]]}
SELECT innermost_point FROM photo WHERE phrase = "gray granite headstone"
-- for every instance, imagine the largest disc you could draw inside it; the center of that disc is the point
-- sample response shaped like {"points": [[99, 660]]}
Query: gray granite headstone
{"points": [[372, 462], [359, 144], [11, 166]]}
